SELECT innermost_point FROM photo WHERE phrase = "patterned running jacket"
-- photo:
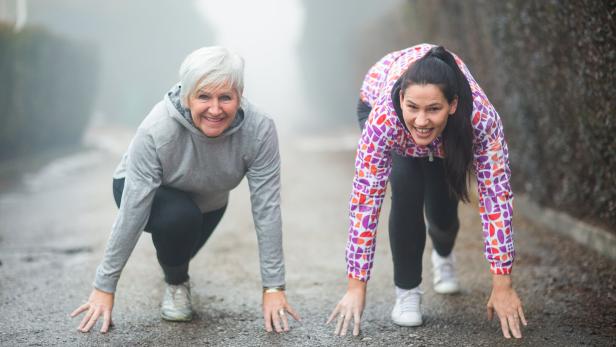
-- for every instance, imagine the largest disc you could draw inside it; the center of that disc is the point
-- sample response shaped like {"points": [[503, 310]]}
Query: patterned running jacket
{"points": [[384, 133]]}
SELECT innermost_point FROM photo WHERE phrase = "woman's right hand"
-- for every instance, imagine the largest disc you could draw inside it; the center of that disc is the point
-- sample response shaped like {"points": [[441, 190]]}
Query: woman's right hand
{"points": [[350, 306], [99, 303]]}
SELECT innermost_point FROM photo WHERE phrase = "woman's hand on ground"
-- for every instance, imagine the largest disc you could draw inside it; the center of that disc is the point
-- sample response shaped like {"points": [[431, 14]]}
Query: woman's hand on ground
{"points": [[350, 306], [99, 303], [275, 309], [504, 300]]}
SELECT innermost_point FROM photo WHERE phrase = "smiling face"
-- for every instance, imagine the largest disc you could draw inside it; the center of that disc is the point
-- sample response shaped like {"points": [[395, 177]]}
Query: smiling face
{"points": [[425, 111], [213, 109]]}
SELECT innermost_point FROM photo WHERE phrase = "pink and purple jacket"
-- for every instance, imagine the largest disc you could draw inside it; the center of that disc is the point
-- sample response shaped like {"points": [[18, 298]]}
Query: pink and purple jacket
{"points": [[384, 133]]}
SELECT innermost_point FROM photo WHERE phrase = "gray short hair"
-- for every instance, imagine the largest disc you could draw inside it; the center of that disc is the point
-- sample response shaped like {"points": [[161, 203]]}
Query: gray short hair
{"points": [[214, 66]]}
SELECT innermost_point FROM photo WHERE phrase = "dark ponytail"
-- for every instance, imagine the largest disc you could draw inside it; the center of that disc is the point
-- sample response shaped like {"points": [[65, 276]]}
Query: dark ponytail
{"points": [[439, 67]]}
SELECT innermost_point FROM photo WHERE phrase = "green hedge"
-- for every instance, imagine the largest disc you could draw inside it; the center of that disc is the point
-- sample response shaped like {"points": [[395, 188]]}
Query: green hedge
{"points": [[550, 69], [47, 91]]}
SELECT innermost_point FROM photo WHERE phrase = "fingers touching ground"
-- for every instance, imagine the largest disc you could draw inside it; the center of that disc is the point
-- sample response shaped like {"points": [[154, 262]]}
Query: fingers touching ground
{"points": [[277, 320], [86, 319], [522, 318], [267, 317], [343, 321], [357, 318], [293, 313], [80, 309]]}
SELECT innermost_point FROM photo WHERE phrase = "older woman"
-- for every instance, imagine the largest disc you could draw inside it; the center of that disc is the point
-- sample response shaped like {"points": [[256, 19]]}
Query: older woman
{"points": [[193, 148]]}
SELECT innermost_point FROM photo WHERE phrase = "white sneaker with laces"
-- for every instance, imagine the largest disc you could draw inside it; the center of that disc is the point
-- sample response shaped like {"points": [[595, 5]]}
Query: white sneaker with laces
{"points": [[407, 310], [444, 274], [176, 304]]}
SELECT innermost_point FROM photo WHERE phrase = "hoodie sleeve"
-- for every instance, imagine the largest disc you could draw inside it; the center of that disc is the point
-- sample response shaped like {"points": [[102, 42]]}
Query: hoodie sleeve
{"points": [[264, 182], [143, 177]]}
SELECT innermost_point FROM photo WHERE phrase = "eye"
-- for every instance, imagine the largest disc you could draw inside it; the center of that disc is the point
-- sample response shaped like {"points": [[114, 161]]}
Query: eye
{"points": [[203, 97], [225, 98], [434, 109], [411, 107]]}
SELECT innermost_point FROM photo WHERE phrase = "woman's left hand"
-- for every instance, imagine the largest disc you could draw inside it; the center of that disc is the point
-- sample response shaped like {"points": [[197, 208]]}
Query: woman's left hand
{"points": [[275, 310], [504, 300]]}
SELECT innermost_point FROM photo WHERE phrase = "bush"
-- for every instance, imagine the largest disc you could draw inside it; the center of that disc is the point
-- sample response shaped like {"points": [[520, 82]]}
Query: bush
{"points": [[47, 91]]}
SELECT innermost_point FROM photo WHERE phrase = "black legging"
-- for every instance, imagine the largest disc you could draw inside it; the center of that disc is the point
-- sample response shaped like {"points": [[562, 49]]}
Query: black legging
{"points": [[417, 184], [178, 228]]}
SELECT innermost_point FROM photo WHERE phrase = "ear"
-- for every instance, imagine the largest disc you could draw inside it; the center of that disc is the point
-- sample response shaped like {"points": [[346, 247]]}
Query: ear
{"points": [[453, 106]]}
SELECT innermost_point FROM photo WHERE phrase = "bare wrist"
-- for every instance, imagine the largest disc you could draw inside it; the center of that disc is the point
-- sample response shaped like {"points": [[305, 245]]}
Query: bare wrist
{"points": [[501, 280], [355, 284]]}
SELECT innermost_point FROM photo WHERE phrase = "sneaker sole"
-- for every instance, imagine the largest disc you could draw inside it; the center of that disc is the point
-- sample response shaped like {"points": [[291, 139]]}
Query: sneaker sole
{"points": [[447, 289], [176, 319], [407, 324]]}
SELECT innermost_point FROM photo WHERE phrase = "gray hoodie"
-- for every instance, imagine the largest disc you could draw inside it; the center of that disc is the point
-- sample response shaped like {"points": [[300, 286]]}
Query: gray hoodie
{"points": [[169, 150]]}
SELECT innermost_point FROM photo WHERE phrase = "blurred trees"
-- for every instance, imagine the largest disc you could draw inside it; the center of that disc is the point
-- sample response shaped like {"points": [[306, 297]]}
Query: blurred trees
{"points": [[140, 45], [47, 91]]}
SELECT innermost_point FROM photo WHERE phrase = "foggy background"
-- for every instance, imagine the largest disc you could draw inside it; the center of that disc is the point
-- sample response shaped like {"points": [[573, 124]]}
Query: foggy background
{"points": [[78, 73], [302, 57]]}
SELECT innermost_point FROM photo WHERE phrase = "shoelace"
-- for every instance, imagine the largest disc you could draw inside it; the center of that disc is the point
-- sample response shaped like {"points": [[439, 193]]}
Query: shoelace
{"points": [[409, 302], [445, 271], [180, 298]]}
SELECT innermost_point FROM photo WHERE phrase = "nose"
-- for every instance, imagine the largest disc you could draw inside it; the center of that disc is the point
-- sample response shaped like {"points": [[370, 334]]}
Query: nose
{"points": [[421, 120], [214, 108]]}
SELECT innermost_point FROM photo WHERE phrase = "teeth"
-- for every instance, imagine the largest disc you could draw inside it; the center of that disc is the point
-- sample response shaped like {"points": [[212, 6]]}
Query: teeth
{"points": [[423, 130]]}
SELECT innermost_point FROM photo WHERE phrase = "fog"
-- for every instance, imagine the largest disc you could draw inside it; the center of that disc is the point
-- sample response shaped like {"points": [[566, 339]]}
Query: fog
{"points": [[304, 59]]}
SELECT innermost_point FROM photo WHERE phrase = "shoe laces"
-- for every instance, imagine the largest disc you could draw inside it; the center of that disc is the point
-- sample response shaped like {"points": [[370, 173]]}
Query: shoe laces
{"points": [[444, 269], [410, 301], [180, 294]]}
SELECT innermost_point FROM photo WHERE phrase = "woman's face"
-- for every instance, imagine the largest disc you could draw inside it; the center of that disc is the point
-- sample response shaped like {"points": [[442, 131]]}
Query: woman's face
{"points": [[213, 109], [425, 111]]}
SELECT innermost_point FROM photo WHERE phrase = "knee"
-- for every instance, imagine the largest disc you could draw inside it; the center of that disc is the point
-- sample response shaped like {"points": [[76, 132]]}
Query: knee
{"points": [[444, 227], [174, 213]]}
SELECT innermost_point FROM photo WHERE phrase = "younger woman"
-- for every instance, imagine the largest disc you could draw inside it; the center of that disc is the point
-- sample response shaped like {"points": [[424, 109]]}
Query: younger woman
{"points": [[426, 124]]}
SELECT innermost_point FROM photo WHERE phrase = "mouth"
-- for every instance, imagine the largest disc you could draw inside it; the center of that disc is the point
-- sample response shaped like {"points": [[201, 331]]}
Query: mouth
{"points": [[423, 132], [215, 120]]}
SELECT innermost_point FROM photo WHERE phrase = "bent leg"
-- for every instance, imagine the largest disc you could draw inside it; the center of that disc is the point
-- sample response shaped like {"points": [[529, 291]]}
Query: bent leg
{"points": [[176, 224], [441, 208], [210, 221]]}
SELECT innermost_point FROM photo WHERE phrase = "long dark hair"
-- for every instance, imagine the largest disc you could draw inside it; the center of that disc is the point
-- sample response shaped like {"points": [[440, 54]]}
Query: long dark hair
{"points": [[439, 67]]}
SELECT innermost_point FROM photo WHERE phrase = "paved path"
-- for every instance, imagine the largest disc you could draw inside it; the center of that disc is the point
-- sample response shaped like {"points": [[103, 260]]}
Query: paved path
{"points": [[54, 226]]}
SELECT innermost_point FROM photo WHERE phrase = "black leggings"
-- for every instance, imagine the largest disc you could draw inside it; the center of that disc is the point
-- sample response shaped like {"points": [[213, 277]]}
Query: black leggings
{"points": [[417, 184], [178, 229]]}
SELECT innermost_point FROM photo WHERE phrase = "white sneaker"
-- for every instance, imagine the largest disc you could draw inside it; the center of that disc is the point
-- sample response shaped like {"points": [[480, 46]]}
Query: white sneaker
{"points": [[407, 311], [444, 274], [176, 304]]}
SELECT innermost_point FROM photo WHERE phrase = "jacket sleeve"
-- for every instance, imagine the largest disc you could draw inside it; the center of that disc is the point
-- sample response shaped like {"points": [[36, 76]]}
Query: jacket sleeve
{"points": [[372, 169], [264, 182], [491, 166], [143, 177]]}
